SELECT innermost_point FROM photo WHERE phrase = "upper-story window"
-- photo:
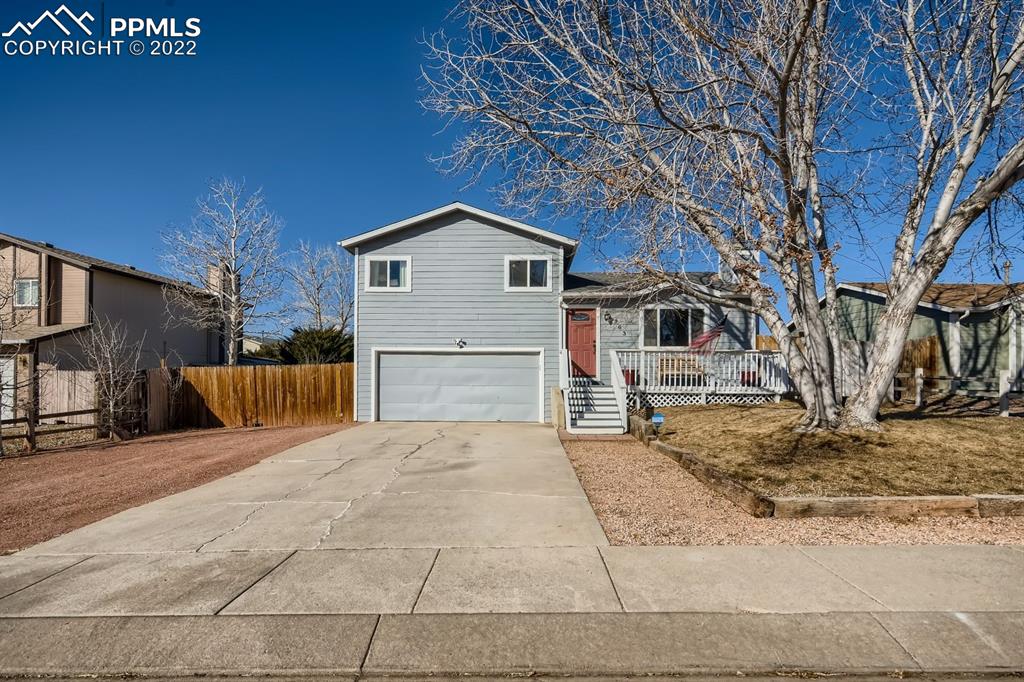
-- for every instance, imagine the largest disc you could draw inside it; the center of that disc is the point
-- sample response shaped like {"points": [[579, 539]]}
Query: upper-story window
{"points": [[391, 273], [26, 293], [527, 273], [672, 327]]}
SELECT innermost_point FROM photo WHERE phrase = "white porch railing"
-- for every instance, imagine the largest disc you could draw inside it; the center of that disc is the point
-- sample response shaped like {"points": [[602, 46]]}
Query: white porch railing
{"points": [[619, 388], [564, 362], [738, 372]]}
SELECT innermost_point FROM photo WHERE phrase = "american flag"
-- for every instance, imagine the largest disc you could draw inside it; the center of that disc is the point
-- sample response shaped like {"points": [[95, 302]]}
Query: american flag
{"points": [[708, 340]]}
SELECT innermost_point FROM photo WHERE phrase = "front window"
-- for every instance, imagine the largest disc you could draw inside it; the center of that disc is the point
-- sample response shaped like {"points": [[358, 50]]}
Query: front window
{"points": [[527, 273], [672, 327], [389, 274], [26, 293]]}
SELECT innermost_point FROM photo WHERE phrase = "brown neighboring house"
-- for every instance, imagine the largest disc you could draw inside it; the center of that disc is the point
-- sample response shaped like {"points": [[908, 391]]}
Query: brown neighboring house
{"points": [[47, 294]]}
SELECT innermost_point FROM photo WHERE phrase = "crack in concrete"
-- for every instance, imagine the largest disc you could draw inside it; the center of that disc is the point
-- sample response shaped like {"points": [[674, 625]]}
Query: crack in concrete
{"points": [[248, 517], [318, 478], [395, 474]]}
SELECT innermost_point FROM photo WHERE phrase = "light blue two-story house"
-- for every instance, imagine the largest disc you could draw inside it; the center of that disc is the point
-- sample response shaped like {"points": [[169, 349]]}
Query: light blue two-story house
{"points": [[465, 315]]}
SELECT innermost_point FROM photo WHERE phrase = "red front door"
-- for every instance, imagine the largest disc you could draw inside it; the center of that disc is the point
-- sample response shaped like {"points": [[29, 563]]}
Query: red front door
{"points": [[581, 340]]}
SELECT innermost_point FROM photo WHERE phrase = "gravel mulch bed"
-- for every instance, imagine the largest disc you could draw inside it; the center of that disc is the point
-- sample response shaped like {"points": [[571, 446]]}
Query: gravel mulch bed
{"points": [[644, 498], [45, 495]]}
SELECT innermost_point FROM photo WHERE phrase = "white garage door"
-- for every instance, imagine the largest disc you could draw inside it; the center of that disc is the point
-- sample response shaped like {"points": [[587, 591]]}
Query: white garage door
{"points": [[463, 386]]}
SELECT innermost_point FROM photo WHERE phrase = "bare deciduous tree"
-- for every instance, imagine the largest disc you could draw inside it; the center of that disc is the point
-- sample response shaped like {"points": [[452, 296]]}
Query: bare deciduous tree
{"points": [[725, 126], [321, 286], [106, 348], [228, 262], [957, 111]]}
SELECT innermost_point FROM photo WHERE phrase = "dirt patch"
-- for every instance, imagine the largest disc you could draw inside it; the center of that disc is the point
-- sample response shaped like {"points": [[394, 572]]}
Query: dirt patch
{"points": [[45, 495], [919, 452], [644, 498]]}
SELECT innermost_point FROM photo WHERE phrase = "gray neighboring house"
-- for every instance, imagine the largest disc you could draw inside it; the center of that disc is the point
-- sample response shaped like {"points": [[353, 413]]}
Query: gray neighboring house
{"points": [[466, 315]]}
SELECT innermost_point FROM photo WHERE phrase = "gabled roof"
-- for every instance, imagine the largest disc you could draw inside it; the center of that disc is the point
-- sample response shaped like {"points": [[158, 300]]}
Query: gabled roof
{"points": [[951, 297], [87, 262], [456, 207], [619, 284]]}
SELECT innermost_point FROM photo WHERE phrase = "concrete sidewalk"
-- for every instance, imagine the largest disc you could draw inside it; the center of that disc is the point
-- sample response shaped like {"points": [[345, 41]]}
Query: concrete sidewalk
{"points": [[517, 644], [518, 580]]}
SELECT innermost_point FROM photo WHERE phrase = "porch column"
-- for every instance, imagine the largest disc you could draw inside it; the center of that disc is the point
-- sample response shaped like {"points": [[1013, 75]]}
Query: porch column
{"points": [[954, 350]]}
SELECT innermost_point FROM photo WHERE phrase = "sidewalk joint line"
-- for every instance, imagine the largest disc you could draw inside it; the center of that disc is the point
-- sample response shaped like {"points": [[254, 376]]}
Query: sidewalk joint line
{"points": [[47, 577], [255, 582], [912, 657], [430, 570], [607, 572], [846, 580], [369, 645]]}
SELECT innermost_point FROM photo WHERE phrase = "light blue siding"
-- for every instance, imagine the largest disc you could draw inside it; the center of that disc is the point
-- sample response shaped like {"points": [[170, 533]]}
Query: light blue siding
{"points": [[458, 291]]}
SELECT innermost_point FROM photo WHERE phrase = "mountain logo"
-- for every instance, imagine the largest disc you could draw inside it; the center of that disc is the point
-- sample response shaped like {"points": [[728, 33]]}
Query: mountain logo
{"points": [[63, 10]]}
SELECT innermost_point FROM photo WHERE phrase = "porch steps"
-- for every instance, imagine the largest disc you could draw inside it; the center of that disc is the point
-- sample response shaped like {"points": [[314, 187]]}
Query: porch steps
{"points": [[592, 409]]}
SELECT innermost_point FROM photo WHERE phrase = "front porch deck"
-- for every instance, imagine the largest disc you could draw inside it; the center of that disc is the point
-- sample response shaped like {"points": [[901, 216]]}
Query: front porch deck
{"points": [[663, 378], [644, 379]]}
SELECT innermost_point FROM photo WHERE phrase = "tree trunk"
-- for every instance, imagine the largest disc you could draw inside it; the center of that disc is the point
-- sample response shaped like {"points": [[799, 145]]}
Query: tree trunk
{"points": [[861, 411], [815, 383]]}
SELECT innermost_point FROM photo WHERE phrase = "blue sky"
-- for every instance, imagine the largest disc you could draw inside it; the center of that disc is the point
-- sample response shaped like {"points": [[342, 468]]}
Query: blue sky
{"points": [[313, 100]]}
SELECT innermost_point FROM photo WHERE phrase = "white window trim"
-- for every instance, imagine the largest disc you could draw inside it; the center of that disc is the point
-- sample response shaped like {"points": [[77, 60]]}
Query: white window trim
{"points": [[38, 292], [376, 351], [659, 308], [396, 290], [528, 257]]}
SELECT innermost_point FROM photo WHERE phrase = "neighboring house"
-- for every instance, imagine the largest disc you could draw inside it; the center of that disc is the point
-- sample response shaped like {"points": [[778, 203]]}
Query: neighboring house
{"points": [[50, 294], [254, 344], [465, 315], [978, 326]]}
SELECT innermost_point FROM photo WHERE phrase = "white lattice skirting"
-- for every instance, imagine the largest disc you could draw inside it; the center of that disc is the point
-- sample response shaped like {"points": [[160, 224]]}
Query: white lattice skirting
{"points": [[638, 402]]}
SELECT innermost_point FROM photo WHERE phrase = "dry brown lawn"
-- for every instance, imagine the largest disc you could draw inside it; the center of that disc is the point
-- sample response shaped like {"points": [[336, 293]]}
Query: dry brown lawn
{"points": [[933, 451]]}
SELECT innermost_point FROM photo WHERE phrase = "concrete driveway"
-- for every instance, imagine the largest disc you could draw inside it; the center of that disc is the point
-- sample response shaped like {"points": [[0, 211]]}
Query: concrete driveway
{"points": [[380, 485], [417, 549]]}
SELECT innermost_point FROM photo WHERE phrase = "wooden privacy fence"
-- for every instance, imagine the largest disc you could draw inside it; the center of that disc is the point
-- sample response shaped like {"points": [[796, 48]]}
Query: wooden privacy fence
{"points": [[62, 391], [261, 395], [925, 353]]}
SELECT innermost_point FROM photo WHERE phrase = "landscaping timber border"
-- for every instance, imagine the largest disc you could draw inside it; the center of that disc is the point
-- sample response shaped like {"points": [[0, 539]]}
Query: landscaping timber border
{"points": [[764, 506]]}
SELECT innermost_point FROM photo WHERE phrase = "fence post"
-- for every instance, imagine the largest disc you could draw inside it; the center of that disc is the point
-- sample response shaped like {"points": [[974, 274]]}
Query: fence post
{"points": [[1004, 393], [32, 411], [919, 386]]}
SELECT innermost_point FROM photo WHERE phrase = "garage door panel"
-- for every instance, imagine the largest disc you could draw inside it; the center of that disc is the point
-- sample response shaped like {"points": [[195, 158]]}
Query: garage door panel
{"points": [[458, 387], [442, 412], [458, 361], [464, 393], [449, 376]]}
